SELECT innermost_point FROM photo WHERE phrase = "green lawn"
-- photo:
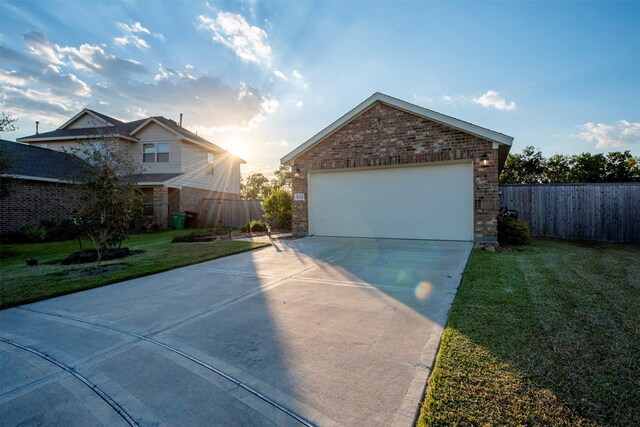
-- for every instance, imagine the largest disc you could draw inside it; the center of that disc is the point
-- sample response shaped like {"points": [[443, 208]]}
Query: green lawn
{"points": [[546, 335], [20, 284]]}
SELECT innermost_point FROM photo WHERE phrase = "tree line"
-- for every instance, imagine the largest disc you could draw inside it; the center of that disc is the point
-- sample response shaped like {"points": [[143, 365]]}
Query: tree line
{"points": [[531, 167]]}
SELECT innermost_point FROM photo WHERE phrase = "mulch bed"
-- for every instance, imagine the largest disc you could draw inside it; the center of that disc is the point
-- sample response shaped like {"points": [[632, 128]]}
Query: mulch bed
{"points": [[91, 255]]}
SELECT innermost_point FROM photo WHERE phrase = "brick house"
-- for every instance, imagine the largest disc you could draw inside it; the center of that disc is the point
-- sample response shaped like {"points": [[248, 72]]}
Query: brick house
{"points": [[40, 186], [392, 169], [181, 171]]}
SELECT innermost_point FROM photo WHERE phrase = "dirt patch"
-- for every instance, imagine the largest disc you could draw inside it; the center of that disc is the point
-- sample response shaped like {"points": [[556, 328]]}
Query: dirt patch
{"points": [[91, 255], [92, 271]]}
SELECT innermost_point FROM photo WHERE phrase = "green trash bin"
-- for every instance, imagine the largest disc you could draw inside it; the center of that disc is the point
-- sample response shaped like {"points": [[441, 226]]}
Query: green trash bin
{"points": [[178, 220]]}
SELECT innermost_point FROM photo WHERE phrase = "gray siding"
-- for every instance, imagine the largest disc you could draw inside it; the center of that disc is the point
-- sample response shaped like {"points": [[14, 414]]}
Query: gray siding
{"points": [[198, 172], [87, 121], [154, 133]]}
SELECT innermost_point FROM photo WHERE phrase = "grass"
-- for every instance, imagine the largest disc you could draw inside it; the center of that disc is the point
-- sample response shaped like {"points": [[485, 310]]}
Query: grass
{"points": [[20, 284], [545, 335]]}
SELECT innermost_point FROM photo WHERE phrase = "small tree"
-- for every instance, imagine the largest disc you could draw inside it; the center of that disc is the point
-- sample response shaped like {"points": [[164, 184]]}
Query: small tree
{"points": [[277, 208], [6, 161], [525, 168], [253, 188], [107, 198]]}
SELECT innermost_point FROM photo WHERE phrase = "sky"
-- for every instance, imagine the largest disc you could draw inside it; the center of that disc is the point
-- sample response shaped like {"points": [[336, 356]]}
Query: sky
{"points": [[260, 78]]}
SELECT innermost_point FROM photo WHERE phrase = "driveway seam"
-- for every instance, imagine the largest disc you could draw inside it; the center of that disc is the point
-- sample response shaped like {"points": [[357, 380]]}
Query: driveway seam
{"points": [[94, 387], [205, 365]]}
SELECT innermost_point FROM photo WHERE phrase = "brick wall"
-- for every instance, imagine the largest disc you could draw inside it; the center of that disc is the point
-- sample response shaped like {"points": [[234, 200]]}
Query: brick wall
{"points": [[32, 201], [161, 207], [383, 136]]}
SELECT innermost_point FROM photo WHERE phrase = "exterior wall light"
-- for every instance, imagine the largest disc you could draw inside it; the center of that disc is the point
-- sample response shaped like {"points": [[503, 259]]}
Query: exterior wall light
{"points": [[297, 173], [484, 160]]}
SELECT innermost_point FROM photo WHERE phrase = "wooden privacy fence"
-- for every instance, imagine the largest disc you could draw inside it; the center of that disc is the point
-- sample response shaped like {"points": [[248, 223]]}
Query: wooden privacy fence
{"points": [[231, 212], [603, 212]]}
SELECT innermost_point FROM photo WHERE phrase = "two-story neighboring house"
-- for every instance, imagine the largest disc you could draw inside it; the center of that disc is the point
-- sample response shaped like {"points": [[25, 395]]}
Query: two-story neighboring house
{"points": [[180, 170]]}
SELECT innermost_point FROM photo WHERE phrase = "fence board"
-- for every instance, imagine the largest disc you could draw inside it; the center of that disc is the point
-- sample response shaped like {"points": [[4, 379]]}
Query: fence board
{"points": [[603, 212], [235, 213]]}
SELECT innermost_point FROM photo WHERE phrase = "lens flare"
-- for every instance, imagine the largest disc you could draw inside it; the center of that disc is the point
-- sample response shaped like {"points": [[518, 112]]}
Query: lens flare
{"points": [[423, 289]]}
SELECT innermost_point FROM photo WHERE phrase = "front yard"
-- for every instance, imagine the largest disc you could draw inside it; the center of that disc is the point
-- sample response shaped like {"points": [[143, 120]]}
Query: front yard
{"points": [[20, 284], [545, 335]]}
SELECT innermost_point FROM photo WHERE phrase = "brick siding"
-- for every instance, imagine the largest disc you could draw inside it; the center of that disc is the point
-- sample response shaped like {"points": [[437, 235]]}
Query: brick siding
{"points": [[32, 201], [385, 136]]}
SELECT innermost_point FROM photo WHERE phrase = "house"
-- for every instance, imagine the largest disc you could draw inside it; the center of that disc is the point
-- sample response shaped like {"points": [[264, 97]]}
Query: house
{"points": [[41, 185], [391, 169], [181, 171]]}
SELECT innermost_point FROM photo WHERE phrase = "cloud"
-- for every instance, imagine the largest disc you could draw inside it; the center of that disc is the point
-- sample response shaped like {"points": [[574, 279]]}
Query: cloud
{"points": [[281, 143], [33, 88], [281, 75], [135, 28], [620, 134], [131, 39], [493, 99], [94, 58], [232, 30], [299, 104], [39, 47], [12, 77], [132, 35]]}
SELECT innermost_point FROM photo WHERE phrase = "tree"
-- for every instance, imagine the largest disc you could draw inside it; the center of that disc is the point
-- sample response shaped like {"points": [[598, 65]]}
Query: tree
{"points": [[587, 167], [7, 123], [558, 169], [525, 168], [281, 176], [622, 167], [6, 161], [277, 208], [255, 187], [107, 201]]}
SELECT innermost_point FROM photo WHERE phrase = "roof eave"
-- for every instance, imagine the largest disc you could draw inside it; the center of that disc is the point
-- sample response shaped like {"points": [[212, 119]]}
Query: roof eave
{"points": [[63, 138]]}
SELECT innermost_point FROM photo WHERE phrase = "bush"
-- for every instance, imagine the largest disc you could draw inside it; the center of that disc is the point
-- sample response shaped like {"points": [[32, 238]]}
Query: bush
{"points": [[513, 232], [254, 226], [34, 233], [63, 230], [277, 209]]}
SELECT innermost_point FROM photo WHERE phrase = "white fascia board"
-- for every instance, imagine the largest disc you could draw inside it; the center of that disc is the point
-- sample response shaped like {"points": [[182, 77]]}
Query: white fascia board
{"points": [[87, 111], [36, 178], [77, 137], [402, 105]]}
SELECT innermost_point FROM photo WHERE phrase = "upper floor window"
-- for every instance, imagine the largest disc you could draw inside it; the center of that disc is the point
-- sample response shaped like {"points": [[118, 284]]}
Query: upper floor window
{"points": [[210, 160], [152, 153]]}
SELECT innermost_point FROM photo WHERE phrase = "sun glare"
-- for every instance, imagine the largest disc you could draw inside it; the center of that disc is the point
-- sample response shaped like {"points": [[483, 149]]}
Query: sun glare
{"points": [[238, 148]]}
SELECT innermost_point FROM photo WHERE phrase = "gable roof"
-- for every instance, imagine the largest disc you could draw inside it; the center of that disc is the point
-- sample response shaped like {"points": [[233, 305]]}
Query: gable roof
{"points": [[467, 127], [99, 116], [125, 130], [40, 164]]}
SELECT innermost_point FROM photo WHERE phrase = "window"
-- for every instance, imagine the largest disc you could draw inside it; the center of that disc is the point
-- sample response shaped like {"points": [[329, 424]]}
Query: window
{"points": [[147, 201], [152, 153], [45, 145], [210, 160]]}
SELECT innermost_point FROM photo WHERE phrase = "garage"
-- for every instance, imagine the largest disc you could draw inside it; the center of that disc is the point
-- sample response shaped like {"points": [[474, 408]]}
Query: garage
{"points": [[391, 169], [419, 202]]}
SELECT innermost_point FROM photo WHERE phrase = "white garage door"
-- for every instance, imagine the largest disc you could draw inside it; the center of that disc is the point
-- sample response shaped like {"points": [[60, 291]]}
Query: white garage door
{"points": [[419, 202]]}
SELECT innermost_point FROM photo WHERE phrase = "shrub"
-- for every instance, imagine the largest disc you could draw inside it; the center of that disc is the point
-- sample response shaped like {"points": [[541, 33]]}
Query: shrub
{"points": [[513, 232], [34, 233], [255, 226], [277, 209]]}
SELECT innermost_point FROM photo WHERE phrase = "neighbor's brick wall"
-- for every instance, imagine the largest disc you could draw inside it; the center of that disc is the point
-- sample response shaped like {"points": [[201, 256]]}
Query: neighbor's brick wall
{"points": [[382, 136], [195, 200], [32, 201], [161, 207]]}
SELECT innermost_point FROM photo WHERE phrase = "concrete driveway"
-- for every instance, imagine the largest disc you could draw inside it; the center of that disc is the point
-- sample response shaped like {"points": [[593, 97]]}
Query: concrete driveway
{"points": [[324, 331]]}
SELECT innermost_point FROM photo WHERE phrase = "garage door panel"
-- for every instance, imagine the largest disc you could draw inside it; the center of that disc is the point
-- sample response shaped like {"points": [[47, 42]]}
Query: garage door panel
{"points": [[432, 202]]}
